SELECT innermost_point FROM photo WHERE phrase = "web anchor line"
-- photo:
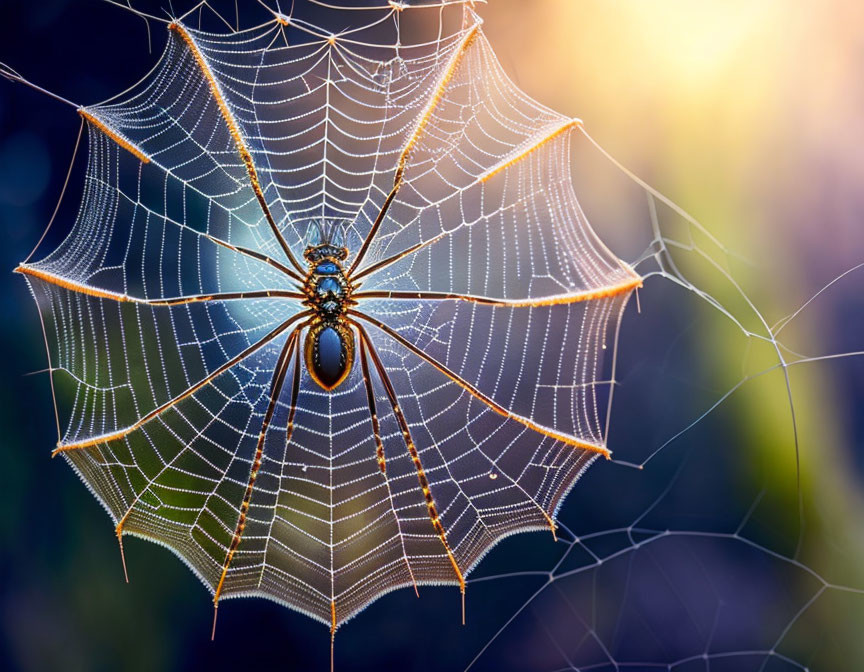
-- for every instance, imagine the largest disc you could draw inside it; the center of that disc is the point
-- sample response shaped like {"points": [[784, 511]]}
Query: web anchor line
{"points": [[122, 556], [8, 73]]}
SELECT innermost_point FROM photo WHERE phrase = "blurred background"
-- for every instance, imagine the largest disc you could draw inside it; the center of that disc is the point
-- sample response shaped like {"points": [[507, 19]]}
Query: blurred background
{"points": [[719, 553]]}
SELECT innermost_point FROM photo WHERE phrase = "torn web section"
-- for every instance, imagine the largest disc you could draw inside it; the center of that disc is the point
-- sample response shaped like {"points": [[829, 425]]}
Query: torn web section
{"points": [[487, 188]]}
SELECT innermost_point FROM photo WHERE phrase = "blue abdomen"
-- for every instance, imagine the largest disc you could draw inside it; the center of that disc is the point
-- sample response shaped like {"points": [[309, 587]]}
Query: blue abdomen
{"points": [[329, 353]]}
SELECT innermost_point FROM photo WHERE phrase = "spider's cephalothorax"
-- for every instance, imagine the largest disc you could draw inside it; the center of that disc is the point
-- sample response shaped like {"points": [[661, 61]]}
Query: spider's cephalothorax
{"points": [[329, 345]]}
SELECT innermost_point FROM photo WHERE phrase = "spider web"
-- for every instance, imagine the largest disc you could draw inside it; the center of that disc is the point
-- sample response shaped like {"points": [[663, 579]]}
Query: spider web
{"points": [[325, 143], [314, 125]]}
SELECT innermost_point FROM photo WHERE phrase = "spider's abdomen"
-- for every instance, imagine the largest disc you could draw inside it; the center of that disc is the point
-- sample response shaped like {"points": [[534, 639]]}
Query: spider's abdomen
{"points": [[329, 346], [329, 353]]}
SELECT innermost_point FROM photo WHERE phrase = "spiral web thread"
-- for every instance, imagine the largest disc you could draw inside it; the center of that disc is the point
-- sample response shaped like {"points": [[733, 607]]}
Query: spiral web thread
{"points": [[163, 345]]}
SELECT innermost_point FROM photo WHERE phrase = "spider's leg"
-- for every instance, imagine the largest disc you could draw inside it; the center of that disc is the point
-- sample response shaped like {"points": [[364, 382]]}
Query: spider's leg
{"points": [[379, 449], [575, 297], [422, 121], [370, 396], [295, 388], [495, 406], [120, 433], [415, 457], [295, 391], [397, 182], [237, 136], [275, 390], [89, 290], [226, 296]]}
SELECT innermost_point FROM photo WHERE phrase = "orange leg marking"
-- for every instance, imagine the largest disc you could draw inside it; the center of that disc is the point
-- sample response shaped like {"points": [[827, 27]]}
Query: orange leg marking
{"points": [[415, 457], [529, 148], [332, 633], [83, 288]]}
